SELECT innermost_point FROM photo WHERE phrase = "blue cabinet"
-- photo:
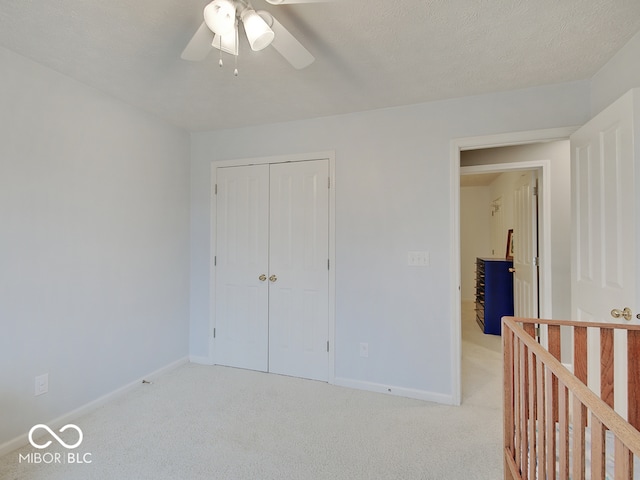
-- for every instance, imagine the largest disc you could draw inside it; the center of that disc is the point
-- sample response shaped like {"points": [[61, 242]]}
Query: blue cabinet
{"points": [[494, 293]]}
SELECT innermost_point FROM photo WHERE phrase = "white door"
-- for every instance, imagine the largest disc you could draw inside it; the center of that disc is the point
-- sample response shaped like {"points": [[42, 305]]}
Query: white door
{"points": [[271, 273], [603, 224], [299, 278], [525, 238], [241, 267]]}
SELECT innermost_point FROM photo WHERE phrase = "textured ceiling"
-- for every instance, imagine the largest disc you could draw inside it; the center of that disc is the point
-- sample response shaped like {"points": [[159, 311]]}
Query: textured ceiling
{"points": [[369, 53]]}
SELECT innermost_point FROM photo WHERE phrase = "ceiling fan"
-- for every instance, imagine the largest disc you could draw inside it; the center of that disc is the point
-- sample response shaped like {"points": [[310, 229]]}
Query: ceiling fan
{"points": [[220, 28]]}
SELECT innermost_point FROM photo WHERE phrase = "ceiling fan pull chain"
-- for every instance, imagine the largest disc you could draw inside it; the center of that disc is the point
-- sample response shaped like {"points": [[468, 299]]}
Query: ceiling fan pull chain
{"points": [[235, 71], [220, 62]]}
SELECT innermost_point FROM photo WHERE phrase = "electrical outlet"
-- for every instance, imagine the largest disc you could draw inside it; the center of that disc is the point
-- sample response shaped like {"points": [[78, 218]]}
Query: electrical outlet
{"points": [[42, 384], [364, 350], [418, 259]]}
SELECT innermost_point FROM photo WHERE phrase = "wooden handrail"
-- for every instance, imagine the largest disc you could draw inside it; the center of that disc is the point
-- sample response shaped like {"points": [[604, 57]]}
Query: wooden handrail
{"points": [[620, 428], [575, 323]]}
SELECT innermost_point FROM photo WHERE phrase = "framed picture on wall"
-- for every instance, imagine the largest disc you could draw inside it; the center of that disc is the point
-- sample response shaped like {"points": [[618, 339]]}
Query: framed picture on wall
{"points": [[509, 255]]}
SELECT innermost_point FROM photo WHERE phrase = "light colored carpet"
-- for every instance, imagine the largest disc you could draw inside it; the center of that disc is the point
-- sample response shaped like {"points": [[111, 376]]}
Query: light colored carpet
{"points": [[201, 422]]}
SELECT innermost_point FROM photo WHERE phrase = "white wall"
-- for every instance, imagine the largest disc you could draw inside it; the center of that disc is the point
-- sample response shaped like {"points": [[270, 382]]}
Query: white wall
{"points": [[94, 244], [475, 235], [617, 76], [393, 177], [504, 186]]}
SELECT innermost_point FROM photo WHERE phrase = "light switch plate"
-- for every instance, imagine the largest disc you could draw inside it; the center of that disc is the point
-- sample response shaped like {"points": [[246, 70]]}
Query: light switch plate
{"points": [[42, 384]]}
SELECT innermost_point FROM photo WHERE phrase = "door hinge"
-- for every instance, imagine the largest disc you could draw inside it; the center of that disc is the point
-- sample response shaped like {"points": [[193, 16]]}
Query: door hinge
{"points": [[536, 261], [327, 345], [214, 333], [215, 261], [535, 190], [328, 264], [215, 189], [538, 332]]}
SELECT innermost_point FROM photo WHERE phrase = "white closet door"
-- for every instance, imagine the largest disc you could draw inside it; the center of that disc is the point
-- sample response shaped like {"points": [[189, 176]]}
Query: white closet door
{"points": [[241, 297], [299, 276]]}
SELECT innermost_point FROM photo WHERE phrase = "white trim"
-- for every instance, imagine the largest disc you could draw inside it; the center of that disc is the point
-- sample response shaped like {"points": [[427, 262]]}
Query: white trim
{"points": [[393, 390], [295, 157], [300, 157], [87, 408], [199, 360], [471, 143]]}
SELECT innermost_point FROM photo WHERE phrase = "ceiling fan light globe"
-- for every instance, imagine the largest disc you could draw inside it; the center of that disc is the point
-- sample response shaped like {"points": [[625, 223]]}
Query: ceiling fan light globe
{"points": [[258, 32], [220, 16]]}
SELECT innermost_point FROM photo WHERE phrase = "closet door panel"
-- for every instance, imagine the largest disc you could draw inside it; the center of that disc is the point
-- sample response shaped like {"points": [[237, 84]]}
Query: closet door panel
{"points": [[298, 269], [241, 297]]}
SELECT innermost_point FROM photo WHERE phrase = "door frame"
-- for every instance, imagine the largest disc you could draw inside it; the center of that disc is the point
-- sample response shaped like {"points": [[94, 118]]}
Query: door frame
{"points": [[493, 141], [301, 157]]}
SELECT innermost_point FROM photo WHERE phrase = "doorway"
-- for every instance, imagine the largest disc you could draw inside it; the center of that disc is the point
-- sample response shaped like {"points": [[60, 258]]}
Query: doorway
{"points": [[496, 278], [493, 206], [549, 247]]}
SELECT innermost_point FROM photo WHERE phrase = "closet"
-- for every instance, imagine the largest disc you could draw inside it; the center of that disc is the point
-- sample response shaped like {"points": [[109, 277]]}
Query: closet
{"points": [[271, 268]]}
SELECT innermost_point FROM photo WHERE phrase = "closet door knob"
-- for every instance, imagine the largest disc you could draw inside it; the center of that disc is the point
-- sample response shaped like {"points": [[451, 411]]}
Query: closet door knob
{"points": [[273, 278], [512, 270], [262, 277], [624, 313]]}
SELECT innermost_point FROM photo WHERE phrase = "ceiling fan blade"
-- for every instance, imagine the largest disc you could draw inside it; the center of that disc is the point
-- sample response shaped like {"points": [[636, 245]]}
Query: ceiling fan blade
{"points": [[199, 46], [286, 44], [286, 2]]}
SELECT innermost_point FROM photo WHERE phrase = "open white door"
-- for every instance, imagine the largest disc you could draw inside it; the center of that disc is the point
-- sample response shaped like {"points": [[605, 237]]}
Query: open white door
{"points": [[525, 258], [603, 263]]}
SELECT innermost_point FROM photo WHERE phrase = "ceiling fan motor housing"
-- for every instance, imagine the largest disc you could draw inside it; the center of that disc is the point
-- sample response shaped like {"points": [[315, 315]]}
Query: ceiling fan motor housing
{"points": [[220, 16]]}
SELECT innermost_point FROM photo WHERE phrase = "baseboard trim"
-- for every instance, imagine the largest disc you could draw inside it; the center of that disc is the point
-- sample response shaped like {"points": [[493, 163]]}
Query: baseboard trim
{"points": [[69, 417], [395, 390], [200, 360]]}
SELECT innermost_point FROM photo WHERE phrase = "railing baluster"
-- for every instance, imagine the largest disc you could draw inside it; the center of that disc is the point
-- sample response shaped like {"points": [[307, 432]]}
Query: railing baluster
{"points": [[606, 365], [524, 444], [542, 465], [622, 468], [508, 379], [531, 425], [580, 358], [550, 427], [516, 403], [598, 452], [633, 374], [554, 349], [577, 433]]}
